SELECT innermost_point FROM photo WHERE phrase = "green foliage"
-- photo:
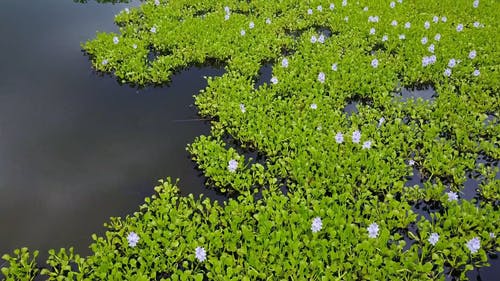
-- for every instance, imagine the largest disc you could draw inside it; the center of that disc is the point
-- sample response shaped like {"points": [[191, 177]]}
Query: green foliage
{"points": [[309, 146]]}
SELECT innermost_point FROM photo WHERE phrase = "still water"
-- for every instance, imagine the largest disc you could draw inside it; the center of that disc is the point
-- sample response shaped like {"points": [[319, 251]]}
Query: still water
{"points": [[76, 147]]}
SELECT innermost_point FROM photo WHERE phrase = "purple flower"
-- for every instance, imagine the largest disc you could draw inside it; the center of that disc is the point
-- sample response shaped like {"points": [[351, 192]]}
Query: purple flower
{"points": [[367, 144], [475, 4], [314, 39], [435, 19], [356, 136], [433, 239], [314, 106], [232, 165], [407, 25], [444, 19], [447, 72], [392, 4], [251, 25], [474, 245], [373, 230], [452, 63], [320, 8], [385, 38], [334, 67], [372, 31], [242, 32], [437, 37], [476, 72], [339, 137], [427, 25], [452, 196], [321, 77], [431, 48], [321, 38], [375, 63], [116, 40], [316, 225], [309, 11], [284, 63], [460, 27], [274, 80], [132, 239], [472, 54], [424, 40], [394, 23], [332, 6], [200, 253]]}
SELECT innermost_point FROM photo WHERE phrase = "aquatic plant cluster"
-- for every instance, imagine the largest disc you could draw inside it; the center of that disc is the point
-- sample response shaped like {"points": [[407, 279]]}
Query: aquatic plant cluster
{"points": [[330, 199]]}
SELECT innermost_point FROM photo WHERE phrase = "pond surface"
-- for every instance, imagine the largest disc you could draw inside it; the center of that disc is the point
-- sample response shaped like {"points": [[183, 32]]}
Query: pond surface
{"points": [[76, 147]]}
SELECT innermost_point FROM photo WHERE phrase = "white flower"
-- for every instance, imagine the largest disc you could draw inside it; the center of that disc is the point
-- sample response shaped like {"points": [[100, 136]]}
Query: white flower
{"points": [[334, 67], [314, 106], [344, 3], [242, 108], [319, 128], [242, 32], [200, 254], [251, 25], [316, 225], [444, 19], [385, 38], [400, 1], [127, 10], [226, 17], [407, 25], [460, 27], [314, 39], [232, 165], [132, 239], [472, 54], [394, 23], [431, 48], [346, 19], [319, 8], [375, 63], [447, 72], [474, 245], [427, 25], [153, 29], [274, 80], [339, 137], [116, 40], [475, 4], [309, 11], [284, 62], [367, 144], [452, 63], [365, 9], [372, 31], [411, 162], [227, 10], [424, 40], [452, 196], [134, 46], [321, 38], [356, 136], [392, 4], [435, 19], [381, 121], [402, 37], [477, 24], [268, 21], [433, 239], [437, 37], [332, 6], [476, 72], [104, 62], [492, 235], [157, 2], [321, 77], [372, 230]]}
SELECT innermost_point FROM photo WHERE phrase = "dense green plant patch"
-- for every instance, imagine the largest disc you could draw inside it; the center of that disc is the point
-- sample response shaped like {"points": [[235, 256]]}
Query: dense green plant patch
{"points": [[348, 213]]}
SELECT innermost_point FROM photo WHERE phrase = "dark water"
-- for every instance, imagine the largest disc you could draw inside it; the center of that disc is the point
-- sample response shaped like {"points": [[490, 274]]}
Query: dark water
{"points": [[76, 147]]}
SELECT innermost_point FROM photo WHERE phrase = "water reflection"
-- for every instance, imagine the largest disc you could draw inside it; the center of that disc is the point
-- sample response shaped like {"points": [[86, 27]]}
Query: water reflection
{"points": [[77, 148]]}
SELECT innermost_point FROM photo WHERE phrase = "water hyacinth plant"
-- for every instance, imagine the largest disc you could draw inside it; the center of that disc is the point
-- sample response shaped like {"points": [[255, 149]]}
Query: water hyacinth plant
{"points": [[324, 203]]}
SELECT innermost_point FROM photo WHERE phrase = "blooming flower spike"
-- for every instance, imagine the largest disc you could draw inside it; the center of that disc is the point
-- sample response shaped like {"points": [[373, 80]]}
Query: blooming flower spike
{"points": [[201, 254], [132, 239]]}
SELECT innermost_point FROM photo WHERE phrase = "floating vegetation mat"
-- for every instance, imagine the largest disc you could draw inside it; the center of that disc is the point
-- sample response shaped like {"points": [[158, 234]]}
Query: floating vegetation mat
{"points": [[328, 198]]}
